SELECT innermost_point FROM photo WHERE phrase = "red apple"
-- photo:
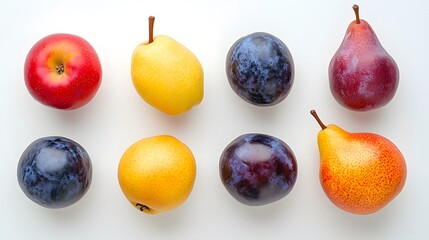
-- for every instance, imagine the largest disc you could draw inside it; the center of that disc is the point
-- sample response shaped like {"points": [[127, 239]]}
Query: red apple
{"points": [[62, 71]]}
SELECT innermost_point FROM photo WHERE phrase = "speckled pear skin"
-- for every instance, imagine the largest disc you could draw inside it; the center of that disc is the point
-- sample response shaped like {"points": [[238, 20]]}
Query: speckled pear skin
{"points": [[359, 172]]}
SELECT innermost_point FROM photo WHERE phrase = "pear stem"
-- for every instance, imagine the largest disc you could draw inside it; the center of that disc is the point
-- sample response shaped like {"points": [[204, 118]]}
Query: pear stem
{"points": [[151, 23], [313, 112], [356, 9]]}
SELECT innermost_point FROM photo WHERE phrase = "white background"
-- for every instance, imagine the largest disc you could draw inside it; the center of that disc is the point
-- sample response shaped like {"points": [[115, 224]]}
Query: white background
{"points": [[117, 117]]}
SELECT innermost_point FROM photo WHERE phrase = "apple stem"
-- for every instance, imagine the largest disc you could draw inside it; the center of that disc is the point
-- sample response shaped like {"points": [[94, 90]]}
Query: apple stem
{"points": [[151, 23], [356, 9], [313, 112], [60, 69]]}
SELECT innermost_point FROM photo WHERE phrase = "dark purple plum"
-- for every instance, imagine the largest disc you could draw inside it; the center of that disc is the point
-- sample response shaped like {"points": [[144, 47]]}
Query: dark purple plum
{"points": [[260, 69], [54, 172], [258, 169]]}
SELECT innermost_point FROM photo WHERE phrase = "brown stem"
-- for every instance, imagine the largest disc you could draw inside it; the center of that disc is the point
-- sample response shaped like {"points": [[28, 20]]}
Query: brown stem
{"points": [[356, 9], [313, 112], [151, 23]]}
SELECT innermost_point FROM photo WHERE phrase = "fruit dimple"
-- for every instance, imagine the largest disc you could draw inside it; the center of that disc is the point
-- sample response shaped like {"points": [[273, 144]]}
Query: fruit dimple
{"points": [[142, 207]]}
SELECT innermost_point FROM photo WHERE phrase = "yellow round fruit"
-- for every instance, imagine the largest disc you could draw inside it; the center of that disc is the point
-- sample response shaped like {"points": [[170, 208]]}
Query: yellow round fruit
{"points": [[157, 174]]}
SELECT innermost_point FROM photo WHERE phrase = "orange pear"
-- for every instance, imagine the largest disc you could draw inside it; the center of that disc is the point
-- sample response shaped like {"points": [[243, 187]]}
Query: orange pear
{"points": [[359, 172]]}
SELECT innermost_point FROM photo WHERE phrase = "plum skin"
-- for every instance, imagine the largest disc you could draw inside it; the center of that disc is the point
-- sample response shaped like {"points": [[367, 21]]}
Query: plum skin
{"points": [[258, 169], [260, 69], [54, 172]]}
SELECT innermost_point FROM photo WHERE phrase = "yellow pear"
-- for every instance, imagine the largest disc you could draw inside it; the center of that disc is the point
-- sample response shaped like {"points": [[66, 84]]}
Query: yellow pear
{"points": [[359, 172], [157, 174], [166, 74]]}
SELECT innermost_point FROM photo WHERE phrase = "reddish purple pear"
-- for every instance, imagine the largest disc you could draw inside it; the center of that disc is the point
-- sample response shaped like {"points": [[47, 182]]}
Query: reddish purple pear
{"points": [[362, 75]]}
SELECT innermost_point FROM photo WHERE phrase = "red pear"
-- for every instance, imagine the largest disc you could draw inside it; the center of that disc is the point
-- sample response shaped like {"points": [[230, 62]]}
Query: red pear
{"points": [[362, 74]]}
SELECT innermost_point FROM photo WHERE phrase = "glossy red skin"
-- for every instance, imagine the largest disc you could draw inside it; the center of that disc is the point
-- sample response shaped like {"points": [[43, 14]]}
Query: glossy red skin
{"points": [[81, 78], [362, 75]]}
